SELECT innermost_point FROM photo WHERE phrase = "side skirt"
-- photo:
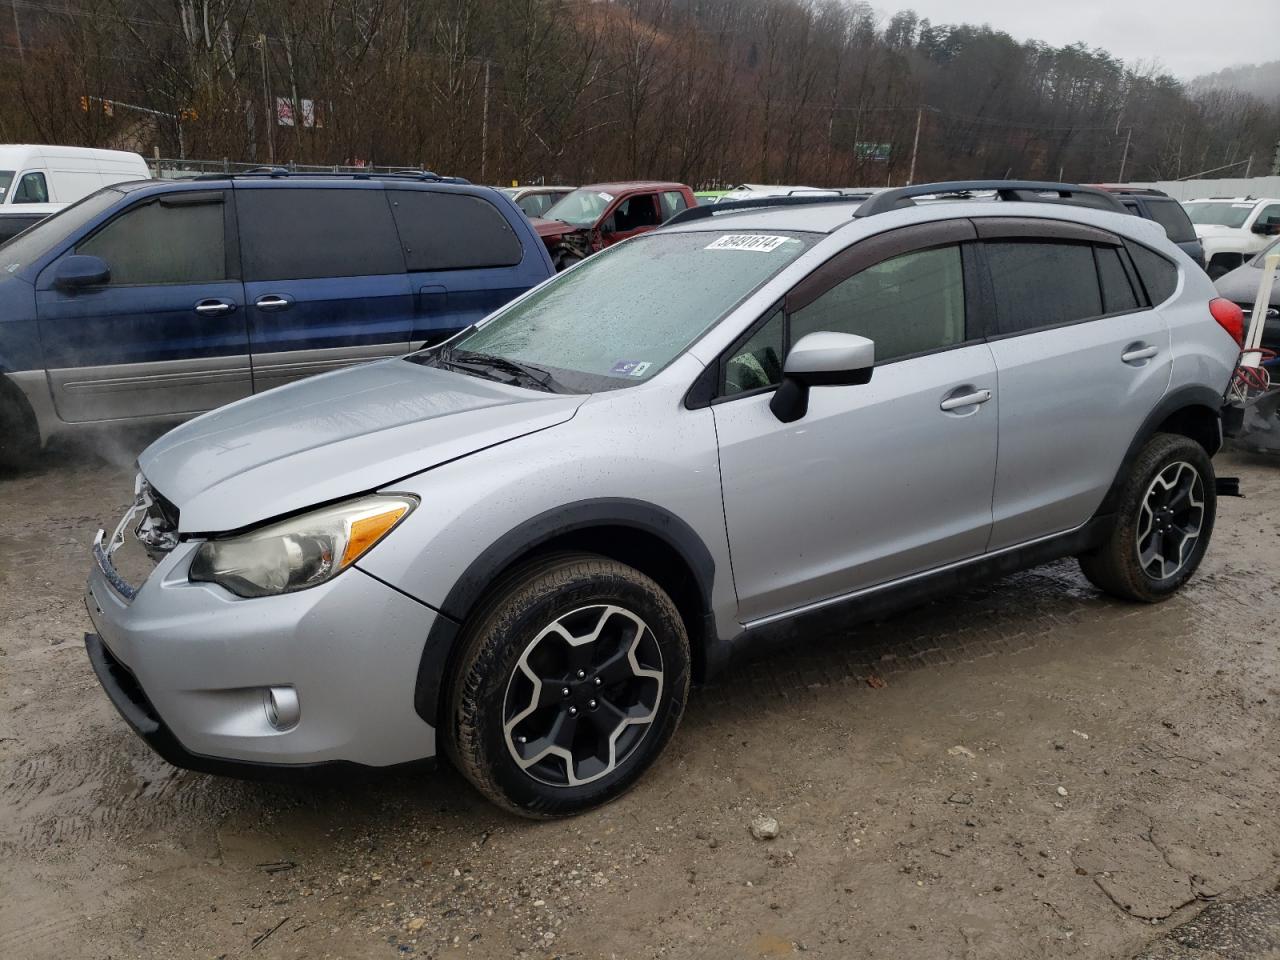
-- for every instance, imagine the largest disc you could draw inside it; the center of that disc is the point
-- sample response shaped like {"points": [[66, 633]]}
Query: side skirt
{"points": [[787, 629]]}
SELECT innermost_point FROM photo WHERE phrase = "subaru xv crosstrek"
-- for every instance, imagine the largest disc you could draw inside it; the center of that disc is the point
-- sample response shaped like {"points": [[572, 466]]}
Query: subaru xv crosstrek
{"points": [[518, 547]]}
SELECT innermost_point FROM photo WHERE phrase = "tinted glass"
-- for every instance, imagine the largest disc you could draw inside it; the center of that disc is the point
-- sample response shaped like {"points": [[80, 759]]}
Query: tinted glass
{"points": [[10, 227], [1158, 275], [672, 203], [756, 361], [1170, 215], [1269, 215], [907, 305], [293, 234], [449, 231], [49, 233], [620, 316], [1117, 291], [636, 212], [31, 189], [154, 243], [1042, 284]]}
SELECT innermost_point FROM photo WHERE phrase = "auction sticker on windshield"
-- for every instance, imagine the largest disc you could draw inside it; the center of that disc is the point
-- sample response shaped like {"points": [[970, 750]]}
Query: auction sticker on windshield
{"points": [[759, 242]]}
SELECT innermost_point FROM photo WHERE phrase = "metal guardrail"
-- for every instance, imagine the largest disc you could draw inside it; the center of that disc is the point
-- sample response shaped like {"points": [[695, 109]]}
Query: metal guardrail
{"points": [[170, 168]]}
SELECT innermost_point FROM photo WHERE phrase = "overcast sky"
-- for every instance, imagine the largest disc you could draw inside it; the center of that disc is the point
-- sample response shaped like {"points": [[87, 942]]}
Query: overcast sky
{"points": [[1187, 37]]}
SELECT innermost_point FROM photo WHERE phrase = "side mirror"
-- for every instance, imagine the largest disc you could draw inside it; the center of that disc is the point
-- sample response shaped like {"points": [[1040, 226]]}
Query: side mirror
{"points": [[823, 359], [81, 270]]}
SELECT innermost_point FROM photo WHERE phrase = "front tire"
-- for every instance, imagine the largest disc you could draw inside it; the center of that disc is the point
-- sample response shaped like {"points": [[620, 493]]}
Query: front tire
{"points": [[19, 434], [572, 678], [1164, 521]]}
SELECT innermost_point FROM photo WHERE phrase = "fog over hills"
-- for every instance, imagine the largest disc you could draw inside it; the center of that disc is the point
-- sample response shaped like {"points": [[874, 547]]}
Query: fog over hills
{"points": [[1261, 79]]}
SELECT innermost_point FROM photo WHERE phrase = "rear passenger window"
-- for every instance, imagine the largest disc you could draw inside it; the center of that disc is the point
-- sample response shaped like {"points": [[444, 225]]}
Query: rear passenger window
{"points": [[909, 304], [1117, 291], [1170, 215], [1041, 284], [451, 231], [163, 243], [1158, 275], [305, 234]]}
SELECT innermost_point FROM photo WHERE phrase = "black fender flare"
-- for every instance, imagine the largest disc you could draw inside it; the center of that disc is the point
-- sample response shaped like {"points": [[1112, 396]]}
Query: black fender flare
{"points": [[1170, 403], [467, 590]]}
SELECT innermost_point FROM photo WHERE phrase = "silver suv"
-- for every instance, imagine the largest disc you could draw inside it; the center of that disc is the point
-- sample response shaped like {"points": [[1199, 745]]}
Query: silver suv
{"points": [[524, 543]]}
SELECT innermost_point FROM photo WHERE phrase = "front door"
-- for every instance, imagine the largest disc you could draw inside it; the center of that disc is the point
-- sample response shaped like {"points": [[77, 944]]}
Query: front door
{"points": [[1082, 361], [166, 335], [631, 216], [876, 482], [325, 278]]}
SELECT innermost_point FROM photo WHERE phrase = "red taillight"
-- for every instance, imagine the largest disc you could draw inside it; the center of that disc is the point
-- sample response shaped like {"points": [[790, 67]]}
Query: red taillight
{"points": [[1230, 318]]}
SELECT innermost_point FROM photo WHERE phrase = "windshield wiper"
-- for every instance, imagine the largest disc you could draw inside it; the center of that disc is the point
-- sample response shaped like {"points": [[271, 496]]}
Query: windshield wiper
{"points": [[487, 362]]}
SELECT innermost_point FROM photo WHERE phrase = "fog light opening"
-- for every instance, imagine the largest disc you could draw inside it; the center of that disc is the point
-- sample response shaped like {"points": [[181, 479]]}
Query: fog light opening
{"points": [[282, 706]]}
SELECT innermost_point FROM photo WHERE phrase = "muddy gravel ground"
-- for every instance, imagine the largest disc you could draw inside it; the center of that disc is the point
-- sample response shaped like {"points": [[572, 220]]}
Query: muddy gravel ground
{"points": [[1025, 770]]}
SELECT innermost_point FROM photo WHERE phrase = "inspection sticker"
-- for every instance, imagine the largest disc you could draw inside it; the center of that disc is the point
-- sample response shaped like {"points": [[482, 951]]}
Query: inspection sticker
{"points": [[759, 242], [631, 368]]}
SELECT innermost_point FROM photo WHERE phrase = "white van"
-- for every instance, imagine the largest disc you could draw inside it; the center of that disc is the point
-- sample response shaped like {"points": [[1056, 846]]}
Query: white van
{"points": [[31, 173]]}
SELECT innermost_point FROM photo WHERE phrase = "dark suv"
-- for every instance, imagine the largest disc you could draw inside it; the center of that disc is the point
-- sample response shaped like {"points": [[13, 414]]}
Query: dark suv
{"points": [[1151, 204], [162, 299]]}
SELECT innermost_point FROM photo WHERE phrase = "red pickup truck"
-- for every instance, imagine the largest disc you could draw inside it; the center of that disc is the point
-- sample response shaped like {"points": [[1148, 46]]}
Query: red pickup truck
{"points": [[597, 216]]}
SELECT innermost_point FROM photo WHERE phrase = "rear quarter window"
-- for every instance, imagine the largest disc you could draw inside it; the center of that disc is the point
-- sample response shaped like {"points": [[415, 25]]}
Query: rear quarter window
{"points": [[452, 231], [1157, 274], [1170, 215]]}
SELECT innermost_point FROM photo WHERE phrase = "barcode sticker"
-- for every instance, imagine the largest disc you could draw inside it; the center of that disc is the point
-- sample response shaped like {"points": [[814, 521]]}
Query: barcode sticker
{"points": [[759, 242]]}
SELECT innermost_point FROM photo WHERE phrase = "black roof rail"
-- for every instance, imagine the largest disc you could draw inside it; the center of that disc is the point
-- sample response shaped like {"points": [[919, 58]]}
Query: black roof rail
{"points": [[705, 210], [1013, 190], [425, 176]]}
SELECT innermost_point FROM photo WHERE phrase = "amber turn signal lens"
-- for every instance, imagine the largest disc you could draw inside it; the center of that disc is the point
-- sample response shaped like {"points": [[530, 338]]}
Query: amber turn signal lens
{"points": [[367, 531]]}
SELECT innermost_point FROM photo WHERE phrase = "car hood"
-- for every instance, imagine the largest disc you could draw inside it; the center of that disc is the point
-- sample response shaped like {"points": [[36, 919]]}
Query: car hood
{"points": [[551, 228], [1210, 231], [334, 436], [1241, 285]]}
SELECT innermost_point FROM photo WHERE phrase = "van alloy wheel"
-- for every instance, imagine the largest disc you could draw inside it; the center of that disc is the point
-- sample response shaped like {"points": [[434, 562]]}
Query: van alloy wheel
{"points": [[1171, 519], [583, 695]]}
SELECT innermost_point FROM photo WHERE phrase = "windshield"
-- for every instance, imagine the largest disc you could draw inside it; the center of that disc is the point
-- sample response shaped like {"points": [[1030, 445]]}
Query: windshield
{"points": [[6, 179], [33, 243], [622, 315], [582, 208], [1222, 214]]}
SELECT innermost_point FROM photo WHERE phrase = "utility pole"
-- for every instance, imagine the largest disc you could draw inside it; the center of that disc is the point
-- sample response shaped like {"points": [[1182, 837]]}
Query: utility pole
{"points": [[1125, 156], [484, 124], [1248, 167], [266, 100], [915, 147]]}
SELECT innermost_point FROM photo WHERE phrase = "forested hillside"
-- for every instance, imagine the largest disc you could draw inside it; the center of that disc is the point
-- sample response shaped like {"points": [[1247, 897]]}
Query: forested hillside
{"points": [[814, 91]]}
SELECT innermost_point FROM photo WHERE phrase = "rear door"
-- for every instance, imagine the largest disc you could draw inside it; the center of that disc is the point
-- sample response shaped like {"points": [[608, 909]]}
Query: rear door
{"points": [[166, 334], [631, 215], [1082, 360], [463, 257], [325, 281]]}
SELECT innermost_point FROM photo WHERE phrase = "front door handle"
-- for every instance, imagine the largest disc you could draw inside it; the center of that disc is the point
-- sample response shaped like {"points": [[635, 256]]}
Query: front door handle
{"points": [[213, 308], [272, 301], [965, 400], [1137, 353]]}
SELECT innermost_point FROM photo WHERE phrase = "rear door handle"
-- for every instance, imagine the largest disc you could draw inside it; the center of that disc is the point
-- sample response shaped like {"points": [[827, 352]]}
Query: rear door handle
{"points": [[1137, 353], [965, 400], [272, 301], [212, 308]]}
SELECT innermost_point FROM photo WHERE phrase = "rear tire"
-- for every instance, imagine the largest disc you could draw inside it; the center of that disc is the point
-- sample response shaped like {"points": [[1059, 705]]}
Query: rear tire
{"points": [[1164, 521], [572, 677], [19, 435]]}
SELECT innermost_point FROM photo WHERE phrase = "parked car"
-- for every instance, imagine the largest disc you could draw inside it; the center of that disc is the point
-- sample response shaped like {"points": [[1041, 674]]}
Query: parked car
{"points": [[1157, 205], [535, 201], [592, 218], [161, 299], [708, 196], [1233, 229], [515, 547], [13, 220], [1241, 287], [39, 174]]}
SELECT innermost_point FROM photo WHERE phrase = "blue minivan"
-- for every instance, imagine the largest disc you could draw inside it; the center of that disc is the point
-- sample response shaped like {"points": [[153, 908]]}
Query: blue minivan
{"points": [[158, 300]]}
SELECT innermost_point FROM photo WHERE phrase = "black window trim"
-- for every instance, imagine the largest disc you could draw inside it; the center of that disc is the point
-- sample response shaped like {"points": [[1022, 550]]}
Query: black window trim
{"points": [[230, 238], [1141, 284]]}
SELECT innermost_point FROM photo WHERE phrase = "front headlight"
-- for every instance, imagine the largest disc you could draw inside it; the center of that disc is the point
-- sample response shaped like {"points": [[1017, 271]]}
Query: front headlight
{"points": [[301, 552]]}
